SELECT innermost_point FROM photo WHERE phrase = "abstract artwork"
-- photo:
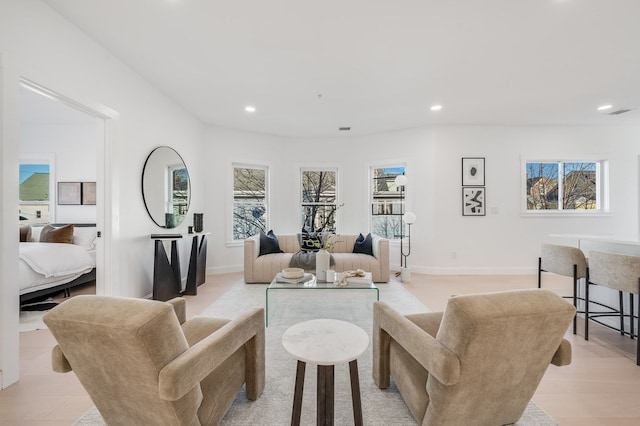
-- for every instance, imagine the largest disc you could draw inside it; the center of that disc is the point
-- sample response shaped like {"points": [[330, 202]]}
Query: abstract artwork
{"points": [[473, 171], [473, 201]]}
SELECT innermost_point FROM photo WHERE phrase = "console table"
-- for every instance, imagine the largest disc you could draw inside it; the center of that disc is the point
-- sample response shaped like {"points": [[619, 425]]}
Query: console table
{"points": [[167, 279]]}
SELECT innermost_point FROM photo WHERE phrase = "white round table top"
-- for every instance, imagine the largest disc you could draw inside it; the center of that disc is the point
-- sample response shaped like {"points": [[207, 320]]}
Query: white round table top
{"points": [[325, 341]]}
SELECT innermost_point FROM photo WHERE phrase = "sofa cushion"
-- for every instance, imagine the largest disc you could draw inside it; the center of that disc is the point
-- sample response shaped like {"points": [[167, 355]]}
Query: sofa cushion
{"points": [[309, 241], [62, 234], [25, 233], [269, 243], [363, 245]]}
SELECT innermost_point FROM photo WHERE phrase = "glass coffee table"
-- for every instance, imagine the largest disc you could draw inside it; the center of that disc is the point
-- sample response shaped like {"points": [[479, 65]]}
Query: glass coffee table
{"points": [[314, 285]]}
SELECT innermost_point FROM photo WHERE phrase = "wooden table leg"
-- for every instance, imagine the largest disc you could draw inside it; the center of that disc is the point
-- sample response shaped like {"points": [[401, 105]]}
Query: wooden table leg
{"points": [[355, 393], [297, 395], [325, 395]]}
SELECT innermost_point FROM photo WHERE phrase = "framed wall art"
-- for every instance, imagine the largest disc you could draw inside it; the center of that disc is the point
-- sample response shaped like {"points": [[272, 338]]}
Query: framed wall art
{"points": [[473, 201], [89, 193], [473, 171], [69, 193]]}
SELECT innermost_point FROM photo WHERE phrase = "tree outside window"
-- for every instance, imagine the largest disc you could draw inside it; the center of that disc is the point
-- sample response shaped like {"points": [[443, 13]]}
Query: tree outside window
{"points": [[34, 193], [250, 204], [387, 201], [562, 185], [318, 209]]}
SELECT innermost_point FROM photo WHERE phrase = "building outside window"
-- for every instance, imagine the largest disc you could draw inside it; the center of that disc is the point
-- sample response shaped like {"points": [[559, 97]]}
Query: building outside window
{"points": [[387, 201], [318, 200], [35, 196], [250, 201], [569, 186]]}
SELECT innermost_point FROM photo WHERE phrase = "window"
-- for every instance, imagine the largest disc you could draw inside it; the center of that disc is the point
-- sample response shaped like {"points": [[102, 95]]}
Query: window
{"points": [[387, 201], [250, 202], [319, 200], [35, 192], [563, 186]]}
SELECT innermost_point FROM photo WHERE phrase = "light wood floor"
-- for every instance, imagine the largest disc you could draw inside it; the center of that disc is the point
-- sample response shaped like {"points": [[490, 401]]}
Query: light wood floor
{"points": [[601, 387]]}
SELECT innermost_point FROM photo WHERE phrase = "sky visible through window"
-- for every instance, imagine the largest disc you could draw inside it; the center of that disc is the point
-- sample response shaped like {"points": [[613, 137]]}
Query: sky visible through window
{"points": [[26, 170]]}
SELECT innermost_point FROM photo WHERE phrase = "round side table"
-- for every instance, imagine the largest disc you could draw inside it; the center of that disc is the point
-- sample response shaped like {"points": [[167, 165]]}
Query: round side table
{"points": [[325, 342]]}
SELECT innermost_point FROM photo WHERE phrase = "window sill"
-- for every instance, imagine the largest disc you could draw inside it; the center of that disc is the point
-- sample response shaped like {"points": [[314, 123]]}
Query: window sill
{"points": [[564, 213]]}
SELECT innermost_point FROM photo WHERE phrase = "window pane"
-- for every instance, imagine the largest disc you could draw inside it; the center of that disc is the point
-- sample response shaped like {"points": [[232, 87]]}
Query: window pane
{"points": [[579, 186], [34, 193], [318, 200], [387, 202], [542, 186], [249, 201]]}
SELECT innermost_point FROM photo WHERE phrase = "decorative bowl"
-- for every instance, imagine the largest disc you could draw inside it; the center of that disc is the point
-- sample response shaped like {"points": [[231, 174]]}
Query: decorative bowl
{"points": [[293, 272]]}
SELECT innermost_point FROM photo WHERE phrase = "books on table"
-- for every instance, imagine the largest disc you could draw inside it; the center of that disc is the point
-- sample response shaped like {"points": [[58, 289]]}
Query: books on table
{"points": [[303, 279], [367, 279]]}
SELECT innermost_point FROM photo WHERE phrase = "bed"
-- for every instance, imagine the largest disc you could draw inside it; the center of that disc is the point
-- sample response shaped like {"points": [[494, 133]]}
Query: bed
{"points": [[47, 268]]}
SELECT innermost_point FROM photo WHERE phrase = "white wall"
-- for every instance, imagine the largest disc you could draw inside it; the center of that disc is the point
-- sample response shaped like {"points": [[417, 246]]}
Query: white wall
{"points": [[37, 44], [73, 148], [503, 241]]}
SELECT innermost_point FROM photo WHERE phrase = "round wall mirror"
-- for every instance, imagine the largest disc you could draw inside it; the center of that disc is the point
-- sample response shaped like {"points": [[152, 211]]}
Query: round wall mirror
{"points": [[165, 187]]}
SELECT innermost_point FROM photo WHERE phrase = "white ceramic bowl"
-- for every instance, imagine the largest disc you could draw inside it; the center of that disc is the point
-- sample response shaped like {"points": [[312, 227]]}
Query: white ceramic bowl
{"points": [[293, 272]]}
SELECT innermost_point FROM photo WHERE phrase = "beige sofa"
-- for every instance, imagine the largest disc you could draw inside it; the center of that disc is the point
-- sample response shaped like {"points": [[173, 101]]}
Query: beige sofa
{"points": [[262, 269]]}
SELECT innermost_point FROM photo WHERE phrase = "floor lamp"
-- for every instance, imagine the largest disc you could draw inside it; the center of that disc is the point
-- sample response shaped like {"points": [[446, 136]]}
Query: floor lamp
{"points": [[405, 272]]}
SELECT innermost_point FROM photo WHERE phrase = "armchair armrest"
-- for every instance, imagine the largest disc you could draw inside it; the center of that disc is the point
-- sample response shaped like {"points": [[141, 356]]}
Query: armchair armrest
{"points": [[180, 307], [190, 368], [388, 324]]}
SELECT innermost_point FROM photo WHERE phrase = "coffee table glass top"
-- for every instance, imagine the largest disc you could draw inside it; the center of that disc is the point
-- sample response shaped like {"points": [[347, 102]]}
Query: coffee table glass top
{"points": [[314, 284]]}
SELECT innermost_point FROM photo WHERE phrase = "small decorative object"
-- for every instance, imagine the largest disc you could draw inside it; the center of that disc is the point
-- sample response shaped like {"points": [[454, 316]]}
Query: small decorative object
{"points": [[473, 172], [198, 222], [169, 220], [473, 201], [190, 229], [331, 276], [322, 264], [293, 272], [344, 278]]}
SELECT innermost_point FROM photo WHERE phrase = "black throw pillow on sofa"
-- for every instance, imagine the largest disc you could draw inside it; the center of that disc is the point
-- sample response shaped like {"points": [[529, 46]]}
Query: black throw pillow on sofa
{"points": [[363, 245], [269, 243]]}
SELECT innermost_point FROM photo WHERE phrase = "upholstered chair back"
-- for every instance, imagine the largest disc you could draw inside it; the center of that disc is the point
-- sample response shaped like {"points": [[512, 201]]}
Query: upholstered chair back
{"points": [[505, 342], [617, 271], [560, 259], [117, 351]]}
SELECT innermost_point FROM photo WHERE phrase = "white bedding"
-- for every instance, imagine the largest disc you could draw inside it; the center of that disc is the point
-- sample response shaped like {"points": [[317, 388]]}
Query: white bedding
{"points": [[44, 265]]}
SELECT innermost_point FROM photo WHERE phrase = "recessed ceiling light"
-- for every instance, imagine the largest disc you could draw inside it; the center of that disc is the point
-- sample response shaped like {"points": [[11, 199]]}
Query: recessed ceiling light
{"points": [[436, 107], [604, 107], [250, 108]]}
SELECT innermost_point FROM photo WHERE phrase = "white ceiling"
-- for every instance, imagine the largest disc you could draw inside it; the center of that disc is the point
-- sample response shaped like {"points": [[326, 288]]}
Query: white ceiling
{"points": [[377, 65]]}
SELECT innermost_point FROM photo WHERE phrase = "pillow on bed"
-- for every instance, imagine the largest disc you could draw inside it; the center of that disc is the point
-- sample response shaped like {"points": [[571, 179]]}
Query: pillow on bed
{"points": [[63, 234], [25, 233]]}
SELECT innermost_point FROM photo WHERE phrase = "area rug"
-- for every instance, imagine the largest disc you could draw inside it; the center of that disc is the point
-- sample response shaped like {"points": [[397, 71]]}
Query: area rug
{"points": [[379, 406]]}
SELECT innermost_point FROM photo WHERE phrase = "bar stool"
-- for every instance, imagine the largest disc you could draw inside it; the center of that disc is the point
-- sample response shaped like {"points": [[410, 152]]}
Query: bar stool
{"points": [[618, 272], [566, 261]]}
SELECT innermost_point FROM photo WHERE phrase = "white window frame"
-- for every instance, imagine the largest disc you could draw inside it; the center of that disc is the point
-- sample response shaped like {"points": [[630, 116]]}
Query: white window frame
{"points": [[336, 201], [49, 159], [267, 197], [602, 186], [403, 204]]}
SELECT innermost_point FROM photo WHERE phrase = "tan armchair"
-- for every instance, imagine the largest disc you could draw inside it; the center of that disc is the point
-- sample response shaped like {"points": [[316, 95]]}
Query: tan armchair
{"points": [[479, 362], [143, 364]]}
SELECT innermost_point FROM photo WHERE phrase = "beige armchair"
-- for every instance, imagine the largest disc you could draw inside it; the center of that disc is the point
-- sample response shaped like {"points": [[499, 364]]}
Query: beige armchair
{"points": [[479, 362], [143, 364]]}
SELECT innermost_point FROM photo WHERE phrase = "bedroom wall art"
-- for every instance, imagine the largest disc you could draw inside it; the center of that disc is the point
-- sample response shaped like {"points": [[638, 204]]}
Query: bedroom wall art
{"points": [[76, 193]]}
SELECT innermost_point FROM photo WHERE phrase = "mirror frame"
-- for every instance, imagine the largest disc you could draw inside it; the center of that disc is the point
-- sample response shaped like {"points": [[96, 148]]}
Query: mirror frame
{"points": [[163, 219]]}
